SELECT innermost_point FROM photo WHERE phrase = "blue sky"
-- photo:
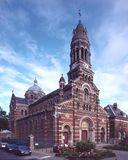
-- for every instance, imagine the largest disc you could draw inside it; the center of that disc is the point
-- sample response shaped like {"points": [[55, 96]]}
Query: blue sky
{"points": [[35, 38]]}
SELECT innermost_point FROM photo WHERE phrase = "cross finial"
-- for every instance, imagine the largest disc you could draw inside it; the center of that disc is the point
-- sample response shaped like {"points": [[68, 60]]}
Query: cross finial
{"points": [[79, 13], [35, 81]]}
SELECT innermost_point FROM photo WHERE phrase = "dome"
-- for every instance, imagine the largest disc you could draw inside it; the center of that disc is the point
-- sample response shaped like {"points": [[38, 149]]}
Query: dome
{"points": [[35, 88], [34, 93]]}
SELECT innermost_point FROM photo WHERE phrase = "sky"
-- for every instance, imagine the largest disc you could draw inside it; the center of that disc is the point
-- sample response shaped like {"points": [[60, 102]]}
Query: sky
{"points": [[35, 37]]}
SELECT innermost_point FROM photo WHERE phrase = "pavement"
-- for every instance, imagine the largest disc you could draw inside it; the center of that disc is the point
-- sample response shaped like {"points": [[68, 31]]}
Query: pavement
{"points": [[45, 156]]}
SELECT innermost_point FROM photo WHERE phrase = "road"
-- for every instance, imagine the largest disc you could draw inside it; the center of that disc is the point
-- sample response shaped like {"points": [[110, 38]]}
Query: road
{"points": [[9, 156], [35, 156], [120, 155]]}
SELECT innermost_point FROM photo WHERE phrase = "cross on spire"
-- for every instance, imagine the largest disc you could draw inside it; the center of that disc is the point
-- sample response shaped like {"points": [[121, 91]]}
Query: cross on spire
{"points": [[79, 13]]}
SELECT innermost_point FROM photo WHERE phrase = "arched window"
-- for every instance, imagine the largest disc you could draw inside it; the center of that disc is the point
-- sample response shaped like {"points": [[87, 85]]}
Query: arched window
{"points": [[51, 122], [22, 112], [36, 124], [31, 96], [82, 53], [77, 91], [25, 112], [77, 54], [78, 105], [85, 78], [42, 123], [86, 54], [30, 126], [86, 95], [73, 55]]}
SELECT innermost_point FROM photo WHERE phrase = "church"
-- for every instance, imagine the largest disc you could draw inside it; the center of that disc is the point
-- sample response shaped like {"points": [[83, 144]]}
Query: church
{"points": [[69, 114]]}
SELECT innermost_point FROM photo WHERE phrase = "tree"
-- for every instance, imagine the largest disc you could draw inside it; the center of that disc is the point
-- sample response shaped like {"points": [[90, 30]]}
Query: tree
{"points": [[3, 119]]}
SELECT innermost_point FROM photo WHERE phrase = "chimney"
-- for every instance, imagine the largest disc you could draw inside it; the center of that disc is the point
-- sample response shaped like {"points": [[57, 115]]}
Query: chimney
{"points": [[115, 106]]}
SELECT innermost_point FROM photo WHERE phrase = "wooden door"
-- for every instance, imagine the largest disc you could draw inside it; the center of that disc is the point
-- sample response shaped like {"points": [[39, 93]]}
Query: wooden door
{"points": [[84, 135], [66, 137]]}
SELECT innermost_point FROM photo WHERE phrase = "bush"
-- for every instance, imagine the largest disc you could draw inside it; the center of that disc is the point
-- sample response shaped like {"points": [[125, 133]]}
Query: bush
{"points": [[85, 146]]}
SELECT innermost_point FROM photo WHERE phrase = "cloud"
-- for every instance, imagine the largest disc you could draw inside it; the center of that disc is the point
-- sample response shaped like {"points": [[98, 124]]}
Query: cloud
{"points": [[20, 72], [47, 76], [111, 55], [8, 55]]}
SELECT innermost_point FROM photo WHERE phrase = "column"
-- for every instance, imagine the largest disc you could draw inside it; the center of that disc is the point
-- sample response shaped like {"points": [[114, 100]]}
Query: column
{"points": [[31, 141]]}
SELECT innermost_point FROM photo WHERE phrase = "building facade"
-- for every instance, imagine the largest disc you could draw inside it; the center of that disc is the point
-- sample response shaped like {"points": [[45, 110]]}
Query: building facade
{"points": [[118, 122], [72, 112]]}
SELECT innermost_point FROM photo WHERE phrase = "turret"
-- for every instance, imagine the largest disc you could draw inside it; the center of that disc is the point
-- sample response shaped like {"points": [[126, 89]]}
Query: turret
{"points": [[61, 82]]}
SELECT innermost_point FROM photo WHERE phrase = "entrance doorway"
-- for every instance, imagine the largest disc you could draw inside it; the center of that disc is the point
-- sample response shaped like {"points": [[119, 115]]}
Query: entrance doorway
{"points": [[66, 134], [86, 129], [84, 135]]}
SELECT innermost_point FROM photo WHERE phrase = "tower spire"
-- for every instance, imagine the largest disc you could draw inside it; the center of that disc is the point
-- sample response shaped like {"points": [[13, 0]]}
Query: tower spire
{"points": [[80, 49]]}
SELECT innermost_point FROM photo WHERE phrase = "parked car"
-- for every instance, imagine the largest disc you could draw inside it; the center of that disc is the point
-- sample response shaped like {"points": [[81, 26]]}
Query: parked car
{"points": [[59, 147], [10, 147], [22, 150], [3, 145]]}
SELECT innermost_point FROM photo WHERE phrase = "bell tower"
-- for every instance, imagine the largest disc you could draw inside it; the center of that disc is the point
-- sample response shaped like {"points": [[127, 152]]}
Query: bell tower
{"points": [[80, 55]]}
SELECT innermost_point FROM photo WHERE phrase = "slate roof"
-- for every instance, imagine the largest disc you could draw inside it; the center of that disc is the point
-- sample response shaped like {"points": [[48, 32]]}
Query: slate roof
{"points": [[115, 111], [21, 100]]}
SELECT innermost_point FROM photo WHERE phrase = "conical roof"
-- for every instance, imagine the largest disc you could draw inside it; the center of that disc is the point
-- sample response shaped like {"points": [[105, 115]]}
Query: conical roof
{"points": [[80, 32]]}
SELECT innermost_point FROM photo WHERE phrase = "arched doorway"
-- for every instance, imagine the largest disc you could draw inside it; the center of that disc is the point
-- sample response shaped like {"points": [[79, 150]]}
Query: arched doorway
{"points": [[86, 129], [102, 135], [84, 132], [66, 134]]}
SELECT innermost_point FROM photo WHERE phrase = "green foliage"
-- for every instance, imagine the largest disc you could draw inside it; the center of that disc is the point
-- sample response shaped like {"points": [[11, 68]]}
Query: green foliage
{"points": [[3, 119], [85, 146]]}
